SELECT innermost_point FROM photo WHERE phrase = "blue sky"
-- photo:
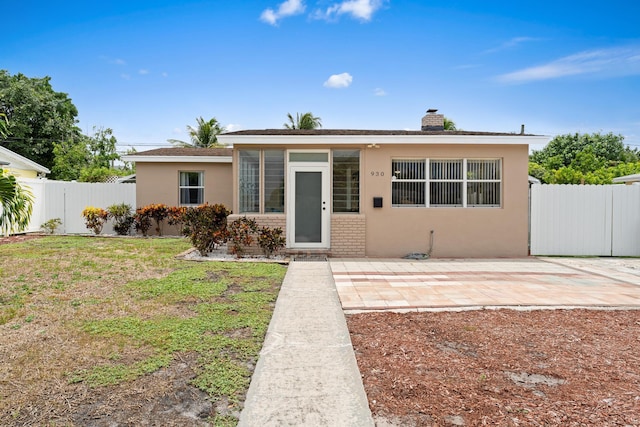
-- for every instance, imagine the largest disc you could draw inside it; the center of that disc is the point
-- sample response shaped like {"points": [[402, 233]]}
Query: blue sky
{"points": [[147, 69]]}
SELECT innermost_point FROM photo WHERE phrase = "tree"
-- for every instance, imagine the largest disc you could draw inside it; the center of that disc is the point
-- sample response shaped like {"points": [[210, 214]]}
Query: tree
{"points": [[16, 204], [563, 149], [70, 157], [304, 121], [102, 148], [37, 116], [584, 159], [449, 124], [3, 125], [88, 158], [204, 136]]}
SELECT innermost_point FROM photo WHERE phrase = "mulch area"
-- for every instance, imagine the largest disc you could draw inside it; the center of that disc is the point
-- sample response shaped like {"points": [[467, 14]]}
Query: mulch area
{"points": [[500, 367]]}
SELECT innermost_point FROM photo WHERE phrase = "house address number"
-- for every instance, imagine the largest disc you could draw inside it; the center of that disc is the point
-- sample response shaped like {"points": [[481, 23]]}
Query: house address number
{"points": [[377, 173]]}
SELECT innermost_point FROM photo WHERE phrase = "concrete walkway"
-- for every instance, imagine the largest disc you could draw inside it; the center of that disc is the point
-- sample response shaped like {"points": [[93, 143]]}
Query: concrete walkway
{"points": [[307, 373]]}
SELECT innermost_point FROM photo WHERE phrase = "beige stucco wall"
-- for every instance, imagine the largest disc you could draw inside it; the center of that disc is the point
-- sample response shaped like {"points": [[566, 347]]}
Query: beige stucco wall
{"points": [[159, 182], [457, 232]]}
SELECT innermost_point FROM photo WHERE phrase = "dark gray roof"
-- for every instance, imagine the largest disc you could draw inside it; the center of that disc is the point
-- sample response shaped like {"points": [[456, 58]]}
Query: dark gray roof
{"points": [[186, 151], [338, 132]]}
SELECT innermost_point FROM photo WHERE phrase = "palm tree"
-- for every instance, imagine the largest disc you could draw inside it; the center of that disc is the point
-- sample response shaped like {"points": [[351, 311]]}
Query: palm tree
{"points": [[305, 121], [449, 124], [203, 136], [16, 204]]}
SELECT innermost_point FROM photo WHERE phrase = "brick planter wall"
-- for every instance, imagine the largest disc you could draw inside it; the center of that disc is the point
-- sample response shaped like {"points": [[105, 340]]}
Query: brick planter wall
{"points": [[271, 221]]}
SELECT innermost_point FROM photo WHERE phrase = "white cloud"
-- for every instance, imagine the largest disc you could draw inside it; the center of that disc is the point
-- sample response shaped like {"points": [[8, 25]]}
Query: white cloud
{"points": [[125, 76], [232, 127], [337, 81], [359, 9], [622, 61], [514, 42], [379, 92], [143, 71], [177, 131], [286, 8], [119, 61], [164, 74]]}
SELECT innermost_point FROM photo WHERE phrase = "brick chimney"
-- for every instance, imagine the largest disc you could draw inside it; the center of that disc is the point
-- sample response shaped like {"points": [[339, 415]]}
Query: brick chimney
{"points": [[433, 121]]}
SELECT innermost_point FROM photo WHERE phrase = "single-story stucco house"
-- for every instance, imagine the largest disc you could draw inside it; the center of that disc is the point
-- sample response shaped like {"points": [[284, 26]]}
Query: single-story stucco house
{"points": [[19, 166], [356, 193]]}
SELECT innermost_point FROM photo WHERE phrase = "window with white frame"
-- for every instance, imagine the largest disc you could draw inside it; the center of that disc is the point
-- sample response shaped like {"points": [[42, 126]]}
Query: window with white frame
{"points": [[191, 188], [346, 181], [273, 181], [449, 182], [261, 173], [249, 181]]}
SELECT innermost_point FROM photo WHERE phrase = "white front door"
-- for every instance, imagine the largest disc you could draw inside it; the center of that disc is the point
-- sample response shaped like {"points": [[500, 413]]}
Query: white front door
{"points": [[308, 214]]}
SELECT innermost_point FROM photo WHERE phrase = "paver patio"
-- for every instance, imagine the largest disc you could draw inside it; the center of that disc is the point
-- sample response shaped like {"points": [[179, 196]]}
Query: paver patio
{"points": [[378, 284]]}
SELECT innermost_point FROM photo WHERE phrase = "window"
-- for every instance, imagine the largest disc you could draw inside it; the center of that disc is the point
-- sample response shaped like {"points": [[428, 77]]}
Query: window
{"points": [[346, 181], [273, 181], [450, 183], [251, 163], [445, 183], [249, 181], [408, 183], [483, 182], [191, 188]]}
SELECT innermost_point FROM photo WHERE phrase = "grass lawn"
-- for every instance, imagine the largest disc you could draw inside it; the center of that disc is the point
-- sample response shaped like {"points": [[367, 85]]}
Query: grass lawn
{"points": [[116, 330]]}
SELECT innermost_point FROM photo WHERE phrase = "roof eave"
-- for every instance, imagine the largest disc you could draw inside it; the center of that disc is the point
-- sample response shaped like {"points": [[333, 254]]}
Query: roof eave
{"points": [[383, 139], [177, 159]]}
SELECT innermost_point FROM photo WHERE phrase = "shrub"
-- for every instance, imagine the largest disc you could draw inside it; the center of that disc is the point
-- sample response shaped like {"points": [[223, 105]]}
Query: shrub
{"points": [[95, 218], [270, 240], [205, 226], [122, 218], [241, 233], [158, 212], [142, 221], [175, 216], [51, 225]]}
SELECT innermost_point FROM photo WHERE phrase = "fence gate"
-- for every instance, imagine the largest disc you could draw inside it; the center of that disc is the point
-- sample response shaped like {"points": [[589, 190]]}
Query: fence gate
{"points": [[585, 220]]}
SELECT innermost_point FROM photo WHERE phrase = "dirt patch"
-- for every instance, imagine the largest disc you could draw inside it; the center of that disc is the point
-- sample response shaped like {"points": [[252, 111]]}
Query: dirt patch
{"points": [[503, 367], [162, 398], [18, 238]]}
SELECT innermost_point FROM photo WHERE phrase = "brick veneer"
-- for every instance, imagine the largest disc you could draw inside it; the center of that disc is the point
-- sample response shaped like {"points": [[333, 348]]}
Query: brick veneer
{"points": [[348, 235], [271, 221]]}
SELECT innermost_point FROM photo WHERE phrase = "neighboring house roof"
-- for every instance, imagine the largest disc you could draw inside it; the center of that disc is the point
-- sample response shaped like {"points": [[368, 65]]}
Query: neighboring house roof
{"points": [[358, 136], [533, 180], [182, 154], [628, 178], [126, 179], [16, 161]]}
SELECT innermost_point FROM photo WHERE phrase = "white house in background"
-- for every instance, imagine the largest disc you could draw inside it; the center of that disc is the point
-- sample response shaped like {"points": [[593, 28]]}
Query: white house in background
{"points": [[20, 166]]}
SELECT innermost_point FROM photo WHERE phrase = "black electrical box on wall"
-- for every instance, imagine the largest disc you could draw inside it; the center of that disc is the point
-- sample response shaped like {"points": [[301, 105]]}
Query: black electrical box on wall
{"points": [[377, 202]]}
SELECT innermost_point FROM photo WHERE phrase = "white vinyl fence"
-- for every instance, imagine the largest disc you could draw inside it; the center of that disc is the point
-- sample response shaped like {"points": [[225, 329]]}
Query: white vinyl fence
{"points": [[66, 200], [585, 220]]}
